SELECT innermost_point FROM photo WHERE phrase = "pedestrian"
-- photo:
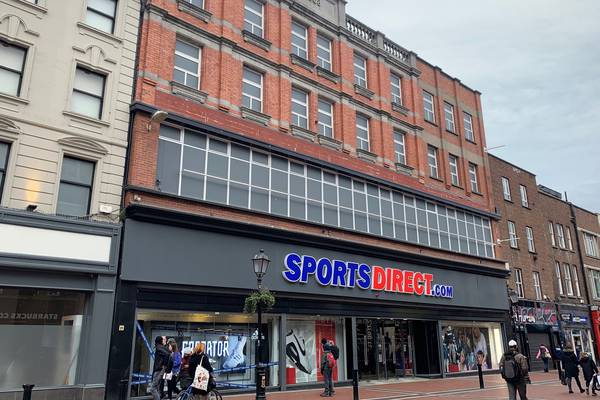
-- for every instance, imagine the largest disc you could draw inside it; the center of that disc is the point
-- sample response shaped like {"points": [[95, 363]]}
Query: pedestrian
{"points": [[545, 355], [589, 368], [199, 358], [515, 371], [161, 359], [185, 379], [327, 366], [571, 366], [174, 368]]}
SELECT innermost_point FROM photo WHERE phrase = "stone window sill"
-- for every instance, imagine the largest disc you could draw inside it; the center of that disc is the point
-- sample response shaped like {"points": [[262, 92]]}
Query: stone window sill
{"points": [[11, 98], [327, 74], [400, 108], [404, 169], [255, 116], [99, 33], [329, 142], [366, 155], [196, 11], [188, 92], [302, 62], [35, 7], [256, 40], [303, 133], [86, 119], [364, 91]]}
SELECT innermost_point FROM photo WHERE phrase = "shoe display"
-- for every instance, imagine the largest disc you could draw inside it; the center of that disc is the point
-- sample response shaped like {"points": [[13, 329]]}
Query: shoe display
{"points": [[296, 351], [236, 345]]}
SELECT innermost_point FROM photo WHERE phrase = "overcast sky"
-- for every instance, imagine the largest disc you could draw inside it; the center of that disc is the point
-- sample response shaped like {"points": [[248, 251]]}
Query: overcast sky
{"points": [[537, 65]]}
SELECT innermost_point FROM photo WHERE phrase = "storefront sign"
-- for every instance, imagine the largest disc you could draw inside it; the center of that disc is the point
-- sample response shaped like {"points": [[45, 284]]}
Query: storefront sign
{"points": [[565, 317], [544, 314], [349, 274]]}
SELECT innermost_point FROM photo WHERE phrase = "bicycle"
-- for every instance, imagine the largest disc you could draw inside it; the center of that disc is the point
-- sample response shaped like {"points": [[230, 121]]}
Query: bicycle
{"points": [[213, 394]]}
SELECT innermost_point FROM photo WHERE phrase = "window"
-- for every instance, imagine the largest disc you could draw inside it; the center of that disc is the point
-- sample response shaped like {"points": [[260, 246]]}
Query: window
{"points": [[595, 282], [512, 235], [524, 200], [568, 281], [252, 89], [432, 160], [299, 42], [324, 52], [396, 89], [473, 178], [591, 244], [362, 132], [4, 150], [569, 240], [453, 161], [530, 241], [537, 285], [468, 123], [75, 191], [187, 64], [449, 116], [552, 237], [325, 118], [360, 70], [101, 14], [12, 63], [88, 93], [300, 108], [399, 148], [253, 17], [558, 278], [428, 110], [519, 283], [506, 189], [197, 3], [576, 281], [561, 236]]}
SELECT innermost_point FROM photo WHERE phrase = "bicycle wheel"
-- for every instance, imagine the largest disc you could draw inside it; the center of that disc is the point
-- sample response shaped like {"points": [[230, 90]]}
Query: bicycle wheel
{"points": [[214, 395], [183, 395]]}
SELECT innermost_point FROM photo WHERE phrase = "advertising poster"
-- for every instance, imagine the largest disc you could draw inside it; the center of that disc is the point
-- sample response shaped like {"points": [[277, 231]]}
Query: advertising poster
{"points": [[462, 344]]}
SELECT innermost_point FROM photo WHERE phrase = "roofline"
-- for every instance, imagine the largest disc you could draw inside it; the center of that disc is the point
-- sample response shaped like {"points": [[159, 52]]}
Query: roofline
{"points": [[514, 165], [447, 74]]}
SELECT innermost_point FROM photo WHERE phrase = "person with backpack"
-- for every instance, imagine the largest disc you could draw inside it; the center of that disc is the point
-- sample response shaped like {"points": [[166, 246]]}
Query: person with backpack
{"points": [[571, 366], [515, 371], [589, 368], [161, 361], [327, 366], [545, 355]]}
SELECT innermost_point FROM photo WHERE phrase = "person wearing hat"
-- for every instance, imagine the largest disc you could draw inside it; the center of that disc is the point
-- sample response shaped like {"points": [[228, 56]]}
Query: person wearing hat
{"points": [[571, 366], [514, 369], [589, 368]]}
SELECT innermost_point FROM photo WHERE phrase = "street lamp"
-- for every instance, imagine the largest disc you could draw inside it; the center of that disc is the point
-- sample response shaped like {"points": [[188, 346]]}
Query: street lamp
{"points": [[260, 263]]}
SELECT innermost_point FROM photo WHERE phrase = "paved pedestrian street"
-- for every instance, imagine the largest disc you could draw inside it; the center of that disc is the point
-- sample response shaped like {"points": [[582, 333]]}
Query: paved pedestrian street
{"points": [[543, 387]]}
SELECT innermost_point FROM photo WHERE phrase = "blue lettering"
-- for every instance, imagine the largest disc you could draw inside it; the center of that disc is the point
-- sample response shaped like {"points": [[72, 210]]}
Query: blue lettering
{"points": [[352, 268], [450, 292], [324, 272], [309, 266], [339, 273], [292, 263], [364, 277]]}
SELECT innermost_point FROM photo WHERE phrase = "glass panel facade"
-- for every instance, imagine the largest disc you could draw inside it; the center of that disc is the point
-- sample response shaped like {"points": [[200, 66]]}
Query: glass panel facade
{"points": [[463, 342]]}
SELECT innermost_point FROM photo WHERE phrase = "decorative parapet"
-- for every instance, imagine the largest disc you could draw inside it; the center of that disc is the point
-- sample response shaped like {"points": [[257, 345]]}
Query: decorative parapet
{"points": [[360, 30]]}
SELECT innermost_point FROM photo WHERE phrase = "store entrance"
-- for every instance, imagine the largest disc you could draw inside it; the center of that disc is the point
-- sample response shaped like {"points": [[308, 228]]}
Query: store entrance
{"points": [[385, 348]]}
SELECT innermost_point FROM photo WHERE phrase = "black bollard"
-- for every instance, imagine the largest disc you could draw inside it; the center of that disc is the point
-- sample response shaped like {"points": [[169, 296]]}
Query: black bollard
{"points": [[480, 373], [27, 391], [355, 395]]}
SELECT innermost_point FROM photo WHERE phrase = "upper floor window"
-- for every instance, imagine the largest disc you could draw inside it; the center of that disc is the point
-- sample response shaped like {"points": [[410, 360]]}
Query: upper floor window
{"points": [[449, 116], [101, 14], [551, 231], [558, 278], [590, 243], [300, 108], [512, 235], [568, 280], [595, 282], [576, 281], [473, 176], [75, 191], [324, 52], [453, 161], [524, 199], [432, 160], [187, 64], [4, 149], [88, 93], [569, 240], [399, 147], [530, 241], [197, 3], [519, 283], [506, 189], [252, 83], [362, 132], [537, 285], [468, 125], [360, 70], [254, 17], [396, 89], [325, 118], [561, 236], [299, 40], [12, 64], [428, 110]]}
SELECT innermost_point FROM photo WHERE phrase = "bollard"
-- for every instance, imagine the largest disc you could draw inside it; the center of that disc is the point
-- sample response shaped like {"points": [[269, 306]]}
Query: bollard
{"points": [[27, 391], [480, 373], [355, 384]]}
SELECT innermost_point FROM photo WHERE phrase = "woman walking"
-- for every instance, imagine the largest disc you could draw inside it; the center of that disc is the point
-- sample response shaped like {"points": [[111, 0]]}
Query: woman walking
{"points": [[588, 366], [544, 354], [571, 366], [199, 358], [175, 364]]}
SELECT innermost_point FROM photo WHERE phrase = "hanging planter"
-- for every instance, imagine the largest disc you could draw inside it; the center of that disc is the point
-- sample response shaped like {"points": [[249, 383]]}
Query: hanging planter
{"points": [[263, 297]]}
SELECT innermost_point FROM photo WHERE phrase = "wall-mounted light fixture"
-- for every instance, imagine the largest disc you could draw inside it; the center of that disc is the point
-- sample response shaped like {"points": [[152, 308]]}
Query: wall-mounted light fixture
{"points": [[158, 117]]}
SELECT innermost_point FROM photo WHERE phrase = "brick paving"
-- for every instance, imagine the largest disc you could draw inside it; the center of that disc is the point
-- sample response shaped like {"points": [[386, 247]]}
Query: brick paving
{"points": [[543, 387]]}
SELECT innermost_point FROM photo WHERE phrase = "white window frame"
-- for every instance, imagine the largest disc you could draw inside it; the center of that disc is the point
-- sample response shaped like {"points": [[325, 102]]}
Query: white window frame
{"points": [[449, 117], [253, 26], [199, 1], [473, 178], [362, 67], [252, 98], [185, 71], [428, 107], [396, 89], [454, 177], [594, 277], [576, 281], [506, 189], [512, 235], [299, 119], [524, 198], [568, 280], [326, 64], [400, 146], [569, 238], [301, 52], [552, 237], [323, 127], [468, 125], [591, 244], [530, 239], [519, 283], [559, 277], [537, 285], [362, 143], [432, 161], [560, 233]]}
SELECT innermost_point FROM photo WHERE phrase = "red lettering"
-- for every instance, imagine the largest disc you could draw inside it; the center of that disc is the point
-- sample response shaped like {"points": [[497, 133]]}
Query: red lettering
{"points": [[397, 281], [419, 288], [378, 278], [409, 282], [388, 279], [428, 279]]}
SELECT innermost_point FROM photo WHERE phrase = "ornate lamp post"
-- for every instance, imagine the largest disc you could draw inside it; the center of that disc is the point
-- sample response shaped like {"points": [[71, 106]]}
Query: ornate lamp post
{"points": [[260, 263]]}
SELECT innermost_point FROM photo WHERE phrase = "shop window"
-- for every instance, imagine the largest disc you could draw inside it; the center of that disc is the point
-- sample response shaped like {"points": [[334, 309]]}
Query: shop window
{"points": [[463, 342], [42, 331]]}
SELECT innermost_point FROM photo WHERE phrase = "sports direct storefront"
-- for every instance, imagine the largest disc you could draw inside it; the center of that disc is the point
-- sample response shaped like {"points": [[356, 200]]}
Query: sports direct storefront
{"points": [[391, 315]]}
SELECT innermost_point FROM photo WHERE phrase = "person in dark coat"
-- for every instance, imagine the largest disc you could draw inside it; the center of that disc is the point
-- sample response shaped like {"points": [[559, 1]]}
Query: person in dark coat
{"points": [[571, 366], [161, 360], [589, 368], [199, 358]]}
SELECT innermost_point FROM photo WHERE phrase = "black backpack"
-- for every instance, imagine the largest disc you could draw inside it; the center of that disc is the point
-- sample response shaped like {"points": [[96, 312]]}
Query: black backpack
{"points": [[335, 351], [511, 370]]}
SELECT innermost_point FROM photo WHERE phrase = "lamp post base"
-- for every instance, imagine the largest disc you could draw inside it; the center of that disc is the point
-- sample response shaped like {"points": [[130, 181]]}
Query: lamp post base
{"points": [[261, 382]]}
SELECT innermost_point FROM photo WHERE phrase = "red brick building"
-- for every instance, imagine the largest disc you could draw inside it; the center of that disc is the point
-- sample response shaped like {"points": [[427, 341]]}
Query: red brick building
{"points": [[289, 123]]}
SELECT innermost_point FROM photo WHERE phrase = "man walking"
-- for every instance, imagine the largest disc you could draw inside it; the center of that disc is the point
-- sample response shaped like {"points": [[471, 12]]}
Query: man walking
{"points": [[161, 359], [515, 371], [327, 366]]}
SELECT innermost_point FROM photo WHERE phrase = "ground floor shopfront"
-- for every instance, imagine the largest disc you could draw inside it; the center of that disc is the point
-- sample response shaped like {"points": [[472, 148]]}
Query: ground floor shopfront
{"points": [[391, 315]]}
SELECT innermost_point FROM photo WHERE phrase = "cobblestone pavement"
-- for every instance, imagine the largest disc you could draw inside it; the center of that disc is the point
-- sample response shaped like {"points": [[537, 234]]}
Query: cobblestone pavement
{"points": [[543, 387]]}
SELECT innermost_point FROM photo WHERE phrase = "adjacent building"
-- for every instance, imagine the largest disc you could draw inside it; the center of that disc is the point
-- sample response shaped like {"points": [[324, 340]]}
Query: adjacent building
{"points": [[66, 79], [358, 167]]}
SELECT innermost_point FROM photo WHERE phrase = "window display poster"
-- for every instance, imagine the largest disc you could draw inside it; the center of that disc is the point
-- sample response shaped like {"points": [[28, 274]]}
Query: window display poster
{"points": [[462, 344], [303, 348]]}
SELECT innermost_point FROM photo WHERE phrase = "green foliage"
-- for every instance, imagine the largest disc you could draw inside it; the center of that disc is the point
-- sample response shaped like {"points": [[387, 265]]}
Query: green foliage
{"points": [[263, 297]]}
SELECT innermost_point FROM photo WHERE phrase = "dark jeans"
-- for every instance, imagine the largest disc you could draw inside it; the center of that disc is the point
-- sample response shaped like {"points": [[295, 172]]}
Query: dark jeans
{"points": [[328, 375], [587, 384], [172, 387], [546, 361], [513, 388], [156, 385], [576, 377]]}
